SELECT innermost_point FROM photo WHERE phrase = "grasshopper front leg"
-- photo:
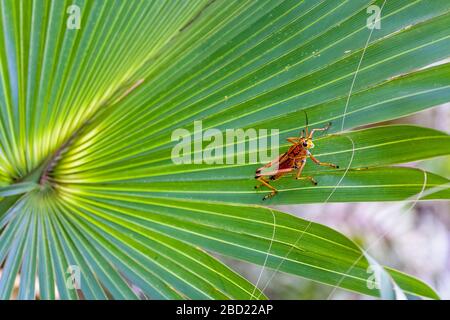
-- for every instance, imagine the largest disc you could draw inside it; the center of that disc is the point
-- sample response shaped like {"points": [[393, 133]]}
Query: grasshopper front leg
{"points": [[325, 164], [319, 129], [299, 172]]}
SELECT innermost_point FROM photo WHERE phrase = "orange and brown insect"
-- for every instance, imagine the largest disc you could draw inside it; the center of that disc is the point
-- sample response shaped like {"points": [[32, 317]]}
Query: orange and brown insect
{"points": [[293, 159]]}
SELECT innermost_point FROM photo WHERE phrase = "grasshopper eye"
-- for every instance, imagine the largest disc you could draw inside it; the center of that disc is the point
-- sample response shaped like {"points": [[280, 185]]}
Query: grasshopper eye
{"points": [[305, 143]]}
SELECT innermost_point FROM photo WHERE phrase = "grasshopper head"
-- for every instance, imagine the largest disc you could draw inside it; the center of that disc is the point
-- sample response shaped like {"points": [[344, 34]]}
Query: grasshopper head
{"points": [[307, 143]]}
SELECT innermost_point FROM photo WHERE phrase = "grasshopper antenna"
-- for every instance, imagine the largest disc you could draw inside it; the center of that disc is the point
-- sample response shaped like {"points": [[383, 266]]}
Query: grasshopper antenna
{"points": [[302, 133], [306, 127], [326, 131]]}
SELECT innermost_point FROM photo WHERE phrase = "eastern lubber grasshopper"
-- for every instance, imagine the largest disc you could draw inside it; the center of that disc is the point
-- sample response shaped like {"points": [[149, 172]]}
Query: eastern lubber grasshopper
{"points": [[293, 159]]}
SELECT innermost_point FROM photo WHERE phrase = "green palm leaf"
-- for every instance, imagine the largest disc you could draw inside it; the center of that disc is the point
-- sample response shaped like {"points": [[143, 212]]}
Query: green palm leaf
{"points": [[87, 177]]}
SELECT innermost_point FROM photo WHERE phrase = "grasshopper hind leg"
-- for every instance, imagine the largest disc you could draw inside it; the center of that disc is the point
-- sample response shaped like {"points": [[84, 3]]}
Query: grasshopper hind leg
{"points": [[264, 182]]}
